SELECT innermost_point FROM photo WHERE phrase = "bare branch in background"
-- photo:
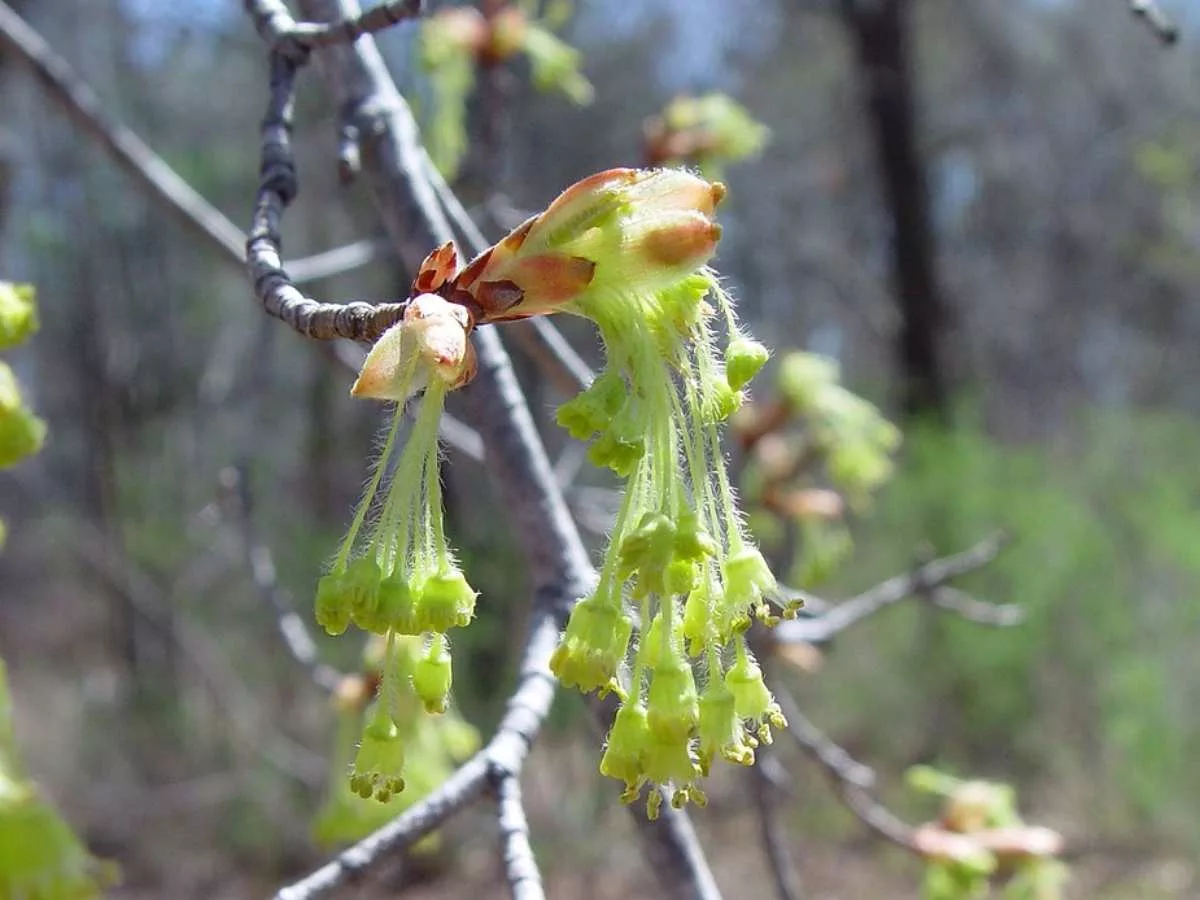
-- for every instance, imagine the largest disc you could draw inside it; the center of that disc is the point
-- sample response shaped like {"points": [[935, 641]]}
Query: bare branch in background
{"points": [[148, 170], [296, 637], [850, 778], [822, 748], [771, 830], [925, 579], [1156, 20]]}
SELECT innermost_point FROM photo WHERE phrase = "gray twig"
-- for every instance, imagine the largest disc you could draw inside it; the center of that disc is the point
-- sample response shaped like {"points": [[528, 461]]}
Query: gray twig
{"points": [[520, 866], [833, 619], [148, 170], [276, 25], [832, 757], [279, 296], [1156, 20]]}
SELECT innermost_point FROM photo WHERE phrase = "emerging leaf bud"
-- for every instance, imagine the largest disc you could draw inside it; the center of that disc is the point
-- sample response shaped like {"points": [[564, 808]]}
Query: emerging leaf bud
{"points": [[432, 340]]}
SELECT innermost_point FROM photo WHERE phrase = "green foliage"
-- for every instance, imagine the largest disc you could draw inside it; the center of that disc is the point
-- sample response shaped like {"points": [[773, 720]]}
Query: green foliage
{"points": [[40, 858], [1106, 564]]}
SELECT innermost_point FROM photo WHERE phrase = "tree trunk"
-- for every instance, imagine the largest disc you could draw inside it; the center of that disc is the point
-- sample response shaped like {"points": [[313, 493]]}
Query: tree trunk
{"points": [[880, 37]]}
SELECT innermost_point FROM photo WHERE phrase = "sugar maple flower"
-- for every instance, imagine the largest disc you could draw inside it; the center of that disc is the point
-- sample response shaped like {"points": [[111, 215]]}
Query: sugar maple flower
{"points": [[629, 250]]}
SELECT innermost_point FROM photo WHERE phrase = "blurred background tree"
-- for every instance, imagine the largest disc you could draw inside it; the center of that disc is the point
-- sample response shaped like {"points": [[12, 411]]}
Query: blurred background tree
{"points": [[984, 212]]}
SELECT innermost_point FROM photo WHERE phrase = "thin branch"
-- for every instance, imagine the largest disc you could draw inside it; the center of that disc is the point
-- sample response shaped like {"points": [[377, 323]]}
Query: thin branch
{"points": [[457, 792], [149, 171], [832, 757], [1156, 20], [337, 261], [520, 865], [292, 628], [836, 618], [276, 25], [358, 321], [962, 604], [849, 778], [774, 840]]}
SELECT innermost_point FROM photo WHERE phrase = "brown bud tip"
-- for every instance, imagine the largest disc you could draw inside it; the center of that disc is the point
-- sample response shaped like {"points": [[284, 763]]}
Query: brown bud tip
{"points": [[718, 192], [690, 241]]}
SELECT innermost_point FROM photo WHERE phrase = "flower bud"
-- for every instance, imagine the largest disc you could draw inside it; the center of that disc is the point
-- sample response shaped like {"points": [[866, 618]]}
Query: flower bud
{"points": [[691, 540], [671, 762], [721, 731], [593, 410], [751, 696], [627, 740], [397, 608], [671, 703], [648, 551], [744, 359], [697, 615], [621, 454], [432, 676], [721, 401], [445, 601], [333, 603], [594, 645], [361, 583], [747, 578], [379, 762]]}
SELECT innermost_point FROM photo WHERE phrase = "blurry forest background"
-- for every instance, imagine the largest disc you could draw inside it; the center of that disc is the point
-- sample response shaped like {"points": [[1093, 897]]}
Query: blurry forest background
{"points": [[1060, 146]]}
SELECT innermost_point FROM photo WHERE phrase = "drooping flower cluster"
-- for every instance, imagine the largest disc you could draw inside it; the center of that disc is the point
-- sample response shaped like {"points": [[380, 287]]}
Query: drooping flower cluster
{"points": [[679, 566], [394, 574], [627, 249], [425, 747]]}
